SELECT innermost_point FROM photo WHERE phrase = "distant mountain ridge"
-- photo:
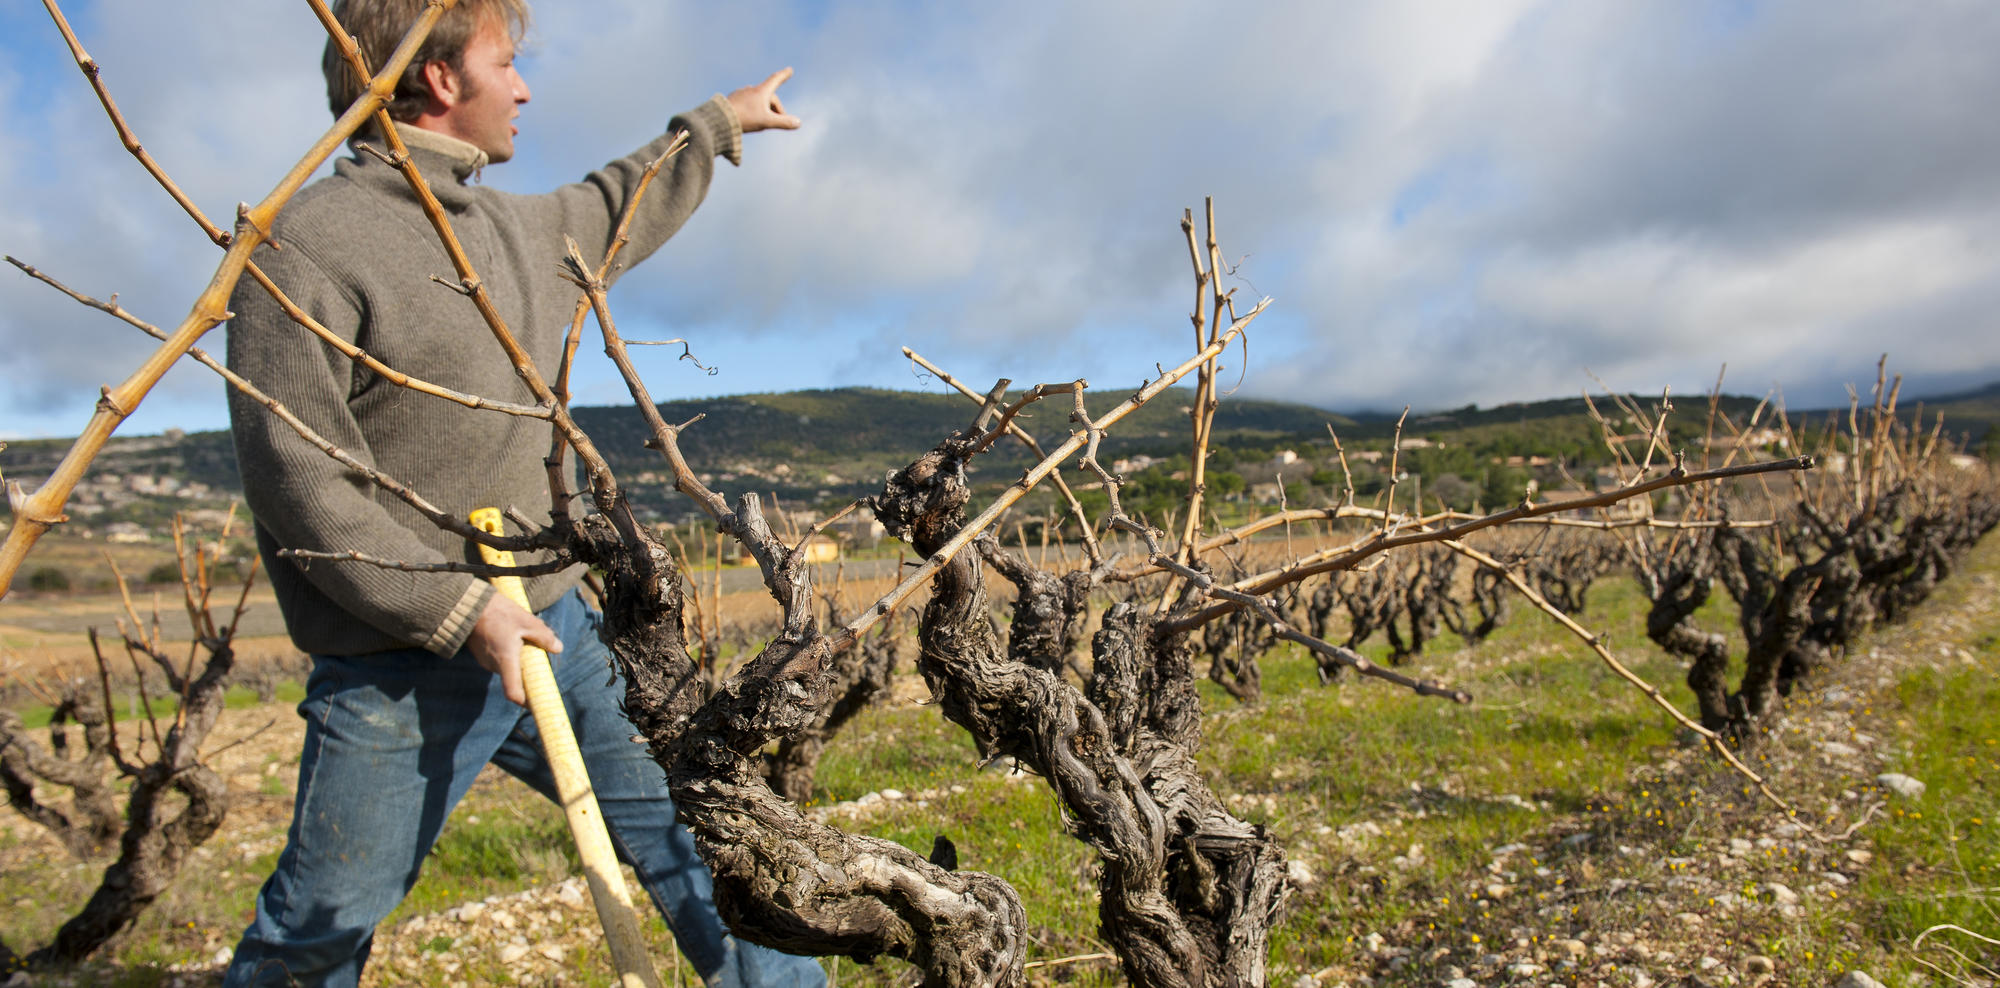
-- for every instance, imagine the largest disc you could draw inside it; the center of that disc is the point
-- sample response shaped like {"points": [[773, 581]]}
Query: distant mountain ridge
{"points": [[844, 439]]}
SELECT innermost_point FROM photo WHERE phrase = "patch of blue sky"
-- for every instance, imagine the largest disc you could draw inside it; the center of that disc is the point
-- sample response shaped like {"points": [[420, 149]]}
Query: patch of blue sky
{"points": [[1728, 17], [1461, 181], [37, 73], [808, 15], [34, 49]]}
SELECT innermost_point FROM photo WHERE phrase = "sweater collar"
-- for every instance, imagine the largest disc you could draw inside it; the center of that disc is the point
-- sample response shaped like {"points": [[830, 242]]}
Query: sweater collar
{"points": [[465, 158], [446, 163]]}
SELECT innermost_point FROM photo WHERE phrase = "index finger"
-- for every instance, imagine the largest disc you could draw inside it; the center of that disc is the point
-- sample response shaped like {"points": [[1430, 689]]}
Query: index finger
{"points": [[776, 79]]}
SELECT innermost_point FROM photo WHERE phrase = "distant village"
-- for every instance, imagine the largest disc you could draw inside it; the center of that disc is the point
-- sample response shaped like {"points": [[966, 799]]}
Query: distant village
{"points": [[198, 504]]}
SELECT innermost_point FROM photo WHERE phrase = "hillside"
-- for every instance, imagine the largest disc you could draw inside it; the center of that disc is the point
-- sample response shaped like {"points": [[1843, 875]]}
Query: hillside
{"points": [[830, 445]]}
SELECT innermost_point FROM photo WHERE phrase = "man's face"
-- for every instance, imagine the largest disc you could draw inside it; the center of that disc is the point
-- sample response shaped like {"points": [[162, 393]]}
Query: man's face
{"points": [[489, 93]]}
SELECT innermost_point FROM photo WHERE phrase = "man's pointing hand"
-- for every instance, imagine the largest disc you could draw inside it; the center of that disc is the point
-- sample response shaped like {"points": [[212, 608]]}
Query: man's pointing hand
{"points": [[757, 107]]}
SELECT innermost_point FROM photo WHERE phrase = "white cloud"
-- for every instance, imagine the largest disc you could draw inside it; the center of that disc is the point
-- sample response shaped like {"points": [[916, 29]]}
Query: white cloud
{"points": [[1451, 200]]}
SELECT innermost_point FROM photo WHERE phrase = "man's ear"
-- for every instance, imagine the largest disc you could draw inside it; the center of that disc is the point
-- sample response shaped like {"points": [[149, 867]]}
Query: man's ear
{"points": [[445, 85]]}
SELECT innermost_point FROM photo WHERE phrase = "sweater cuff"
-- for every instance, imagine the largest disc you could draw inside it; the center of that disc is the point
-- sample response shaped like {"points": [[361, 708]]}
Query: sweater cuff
{"points": [[450, 636], [728, 129]]}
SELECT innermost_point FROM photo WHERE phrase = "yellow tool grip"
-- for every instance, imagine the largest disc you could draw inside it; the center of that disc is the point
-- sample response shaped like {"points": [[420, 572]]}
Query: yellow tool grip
{"points": [[579, 802]]}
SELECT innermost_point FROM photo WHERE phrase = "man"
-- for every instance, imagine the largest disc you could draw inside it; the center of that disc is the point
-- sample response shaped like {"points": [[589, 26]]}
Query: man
{"points": [[416, 675]]}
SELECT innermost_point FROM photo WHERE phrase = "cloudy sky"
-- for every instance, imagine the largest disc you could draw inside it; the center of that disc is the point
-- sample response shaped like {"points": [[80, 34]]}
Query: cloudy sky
{"points": [[1450, 201]]}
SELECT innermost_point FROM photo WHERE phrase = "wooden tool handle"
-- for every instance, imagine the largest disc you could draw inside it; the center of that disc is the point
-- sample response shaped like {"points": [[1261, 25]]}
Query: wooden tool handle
{"points": [[579, 801]]}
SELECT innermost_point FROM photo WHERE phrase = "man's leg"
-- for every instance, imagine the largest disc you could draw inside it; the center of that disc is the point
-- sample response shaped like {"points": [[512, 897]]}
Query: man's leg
{"points": [[631, 791], [392, 742]]}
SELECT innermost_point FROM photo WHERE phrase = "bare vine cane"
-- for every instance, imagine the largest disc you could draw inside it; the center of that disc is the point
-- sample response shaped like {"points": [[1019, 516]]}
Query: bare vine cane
{"points": [[579, 801]]}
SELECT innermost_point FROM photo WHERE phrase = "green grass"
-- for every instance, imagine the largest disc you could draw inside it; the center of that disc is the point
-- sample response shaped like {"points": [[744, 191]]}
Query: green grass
{"points": [[500, 839], [126, 705], [1941, 853], [1551, 728]]}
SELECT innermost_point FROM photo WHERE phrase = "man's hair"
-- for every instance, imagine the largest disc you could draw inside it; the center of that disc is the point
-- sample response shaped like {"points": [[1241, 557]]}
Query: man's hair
{"points": [[378, 25]]}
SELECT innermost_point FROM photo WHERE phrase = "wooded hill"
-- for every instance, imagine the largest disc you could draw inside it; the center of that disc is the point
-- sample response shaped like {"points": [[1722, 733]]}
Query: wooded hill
{"points": [[838, 443]]}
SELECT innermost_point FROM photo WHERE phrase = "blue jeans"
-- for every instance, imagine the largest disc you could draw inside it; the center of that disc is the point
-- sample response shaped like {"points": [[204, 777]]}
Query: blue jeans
{"points": [[394, 740]]}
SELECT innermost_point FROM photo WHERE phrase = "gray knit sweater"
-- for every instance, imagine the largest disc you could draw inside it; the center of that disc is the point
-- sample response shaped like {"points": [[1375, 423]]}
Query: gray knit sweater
{"points": [[357, 254]]}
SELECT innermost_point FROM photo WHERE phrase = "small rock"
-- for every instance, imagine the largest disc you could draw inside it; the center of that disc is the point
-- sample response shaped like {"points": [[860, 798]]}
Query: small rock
{"points": [[1304, 981], [1299, 874], [1688, 919], [1738, 845], [1781, 893], [1900, 784], [1461, 983], [1856, 979], [1574, 948], [1708, 963], [1525, 969], [1759, 964], [1839, 750], [1374, 943], [868, 799], [1496, 892], [471, 911], [1860, 857], [570, 896], [225, 954], [1641, 979], [513, 952], [892, 794]]}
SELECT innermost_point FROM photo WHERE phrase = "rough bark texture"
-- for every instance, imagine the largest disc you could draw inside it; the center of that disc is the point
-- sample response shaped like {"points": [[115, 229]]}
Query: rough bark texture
{"points": [[1049, 611], [92, 821], [157, 839], [1188, 893], [782, 879], [1805, 590], [150, 855], [1774, 611], [861, 675], [1678, 589]]}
